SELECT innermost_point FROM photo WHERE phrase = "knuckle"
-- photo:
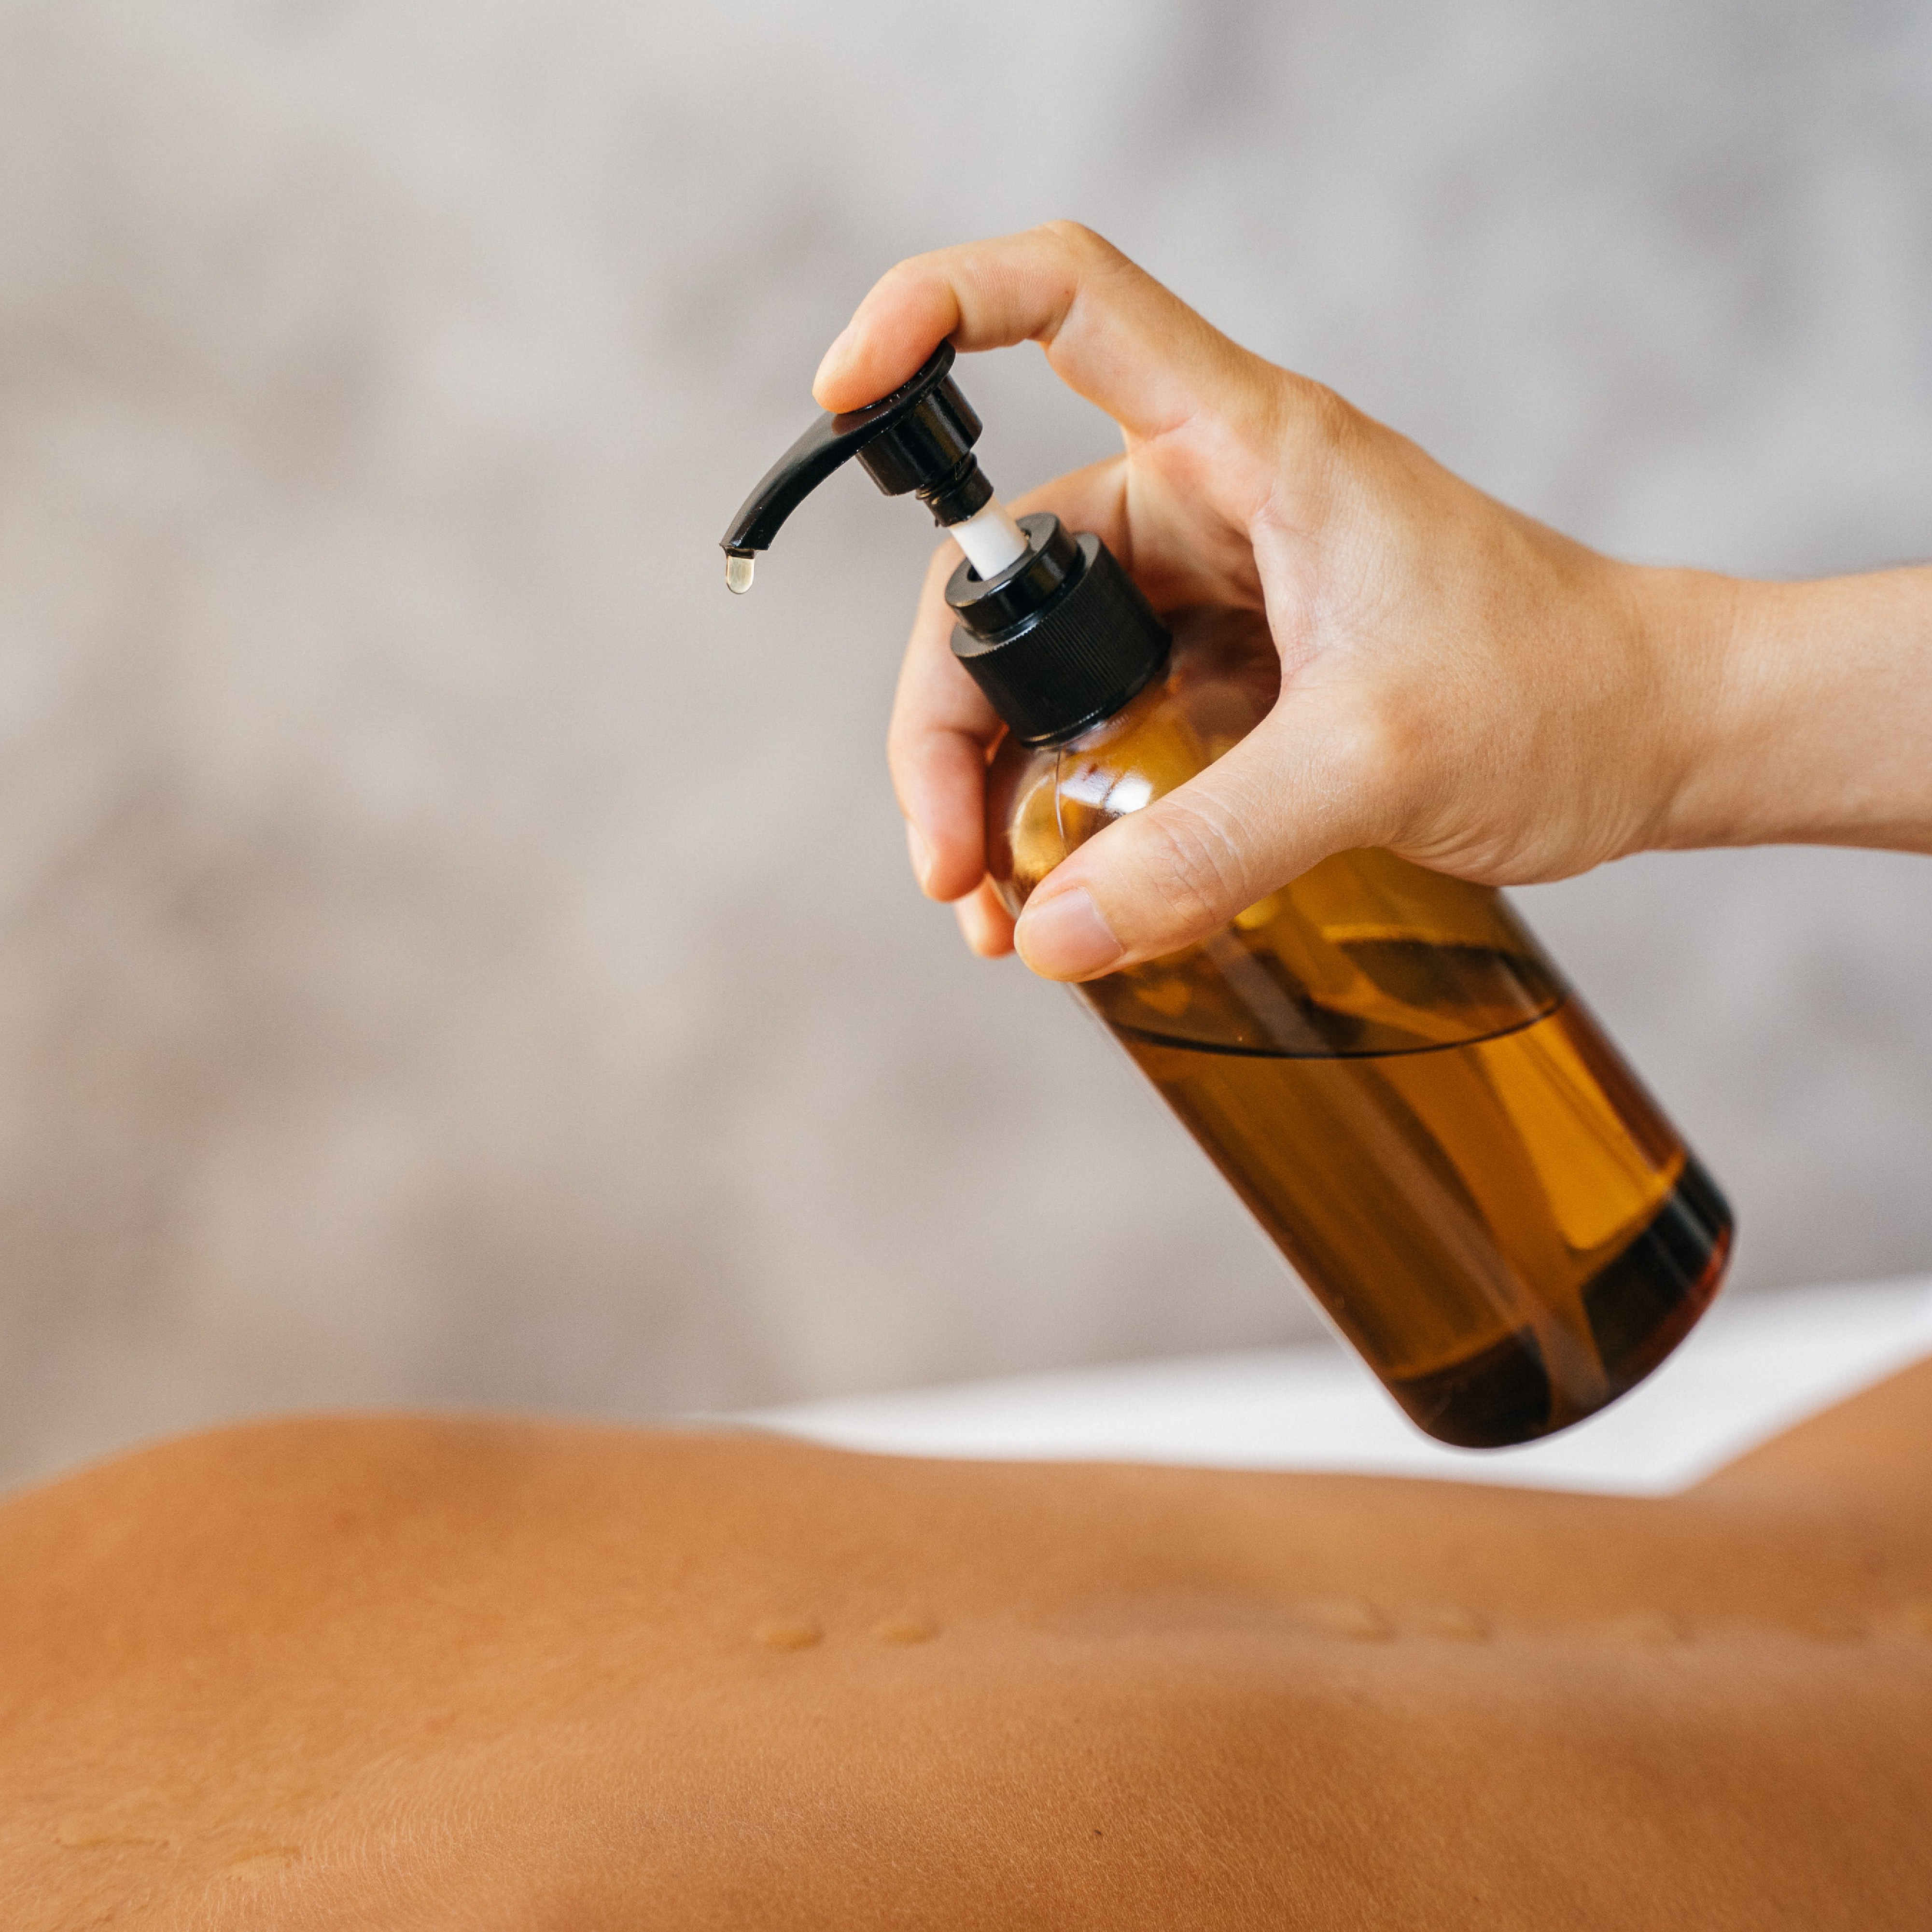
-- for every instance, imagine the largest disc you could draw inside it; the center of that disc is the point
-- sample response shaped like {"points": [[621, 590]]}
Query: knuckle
{"points": [[1375, 739], [1191, 859], [1079, 240], [909, 269], [1089, 261], [1325, 424], [1380, 754]]}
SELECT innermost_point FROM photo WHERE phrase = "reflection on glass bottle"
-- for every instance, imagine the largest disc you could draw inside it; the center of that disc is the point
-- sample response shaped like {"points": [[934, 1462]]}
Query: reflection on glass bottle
{"points": [[1394, 1076]]}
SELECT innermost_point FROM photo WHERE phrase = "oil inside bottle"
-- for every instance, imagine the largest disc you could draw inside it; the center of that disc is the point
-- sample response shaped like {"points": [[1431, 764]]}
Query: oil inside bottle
{"points": [[1395, 1078], [1506, 1227]]}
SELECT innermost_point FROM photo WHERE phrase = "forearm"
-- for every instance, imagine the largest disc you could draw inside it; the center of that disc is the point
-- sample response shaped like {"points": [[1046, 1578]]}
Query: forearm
{"points": [[1806, 708]]}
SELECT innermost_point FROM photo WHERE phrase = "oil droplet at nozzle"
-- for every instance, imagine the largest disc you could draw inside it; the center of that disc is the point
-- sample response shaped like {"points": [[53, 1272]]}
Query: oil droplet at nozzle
{"points": [[738, 568]]}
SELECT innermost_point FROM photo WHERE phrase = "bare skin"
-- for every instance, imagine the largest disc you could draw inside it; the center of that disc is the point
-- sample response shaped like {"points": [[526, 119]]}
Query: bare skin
{"points": [[496, 1674], [1460, 684]]}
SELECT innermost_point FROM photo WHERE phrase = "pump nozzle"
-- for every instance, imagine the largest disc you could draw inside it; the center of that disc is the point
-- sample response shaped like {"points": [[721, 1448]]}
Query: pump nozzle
{"points": [[919, 438], [1050, 627]]}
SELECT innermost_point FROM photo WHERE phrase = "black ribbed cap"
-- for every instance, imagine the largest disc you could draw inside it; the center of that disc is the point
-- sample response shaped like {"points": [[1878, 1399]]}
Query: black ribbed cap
{"points": [[1061, 638]]}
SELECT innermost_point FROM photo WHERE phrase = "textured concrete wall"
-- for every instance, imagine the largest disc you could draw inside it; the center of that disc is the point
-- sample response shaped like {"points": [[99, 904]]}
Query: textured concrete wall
{"points": [[452, 952]]}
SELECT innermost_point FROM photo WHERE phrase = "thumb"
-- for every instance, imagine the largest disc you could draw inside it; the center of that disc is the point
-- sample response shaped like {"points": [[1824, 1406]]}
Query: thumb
{"points": [[1291, 793]]}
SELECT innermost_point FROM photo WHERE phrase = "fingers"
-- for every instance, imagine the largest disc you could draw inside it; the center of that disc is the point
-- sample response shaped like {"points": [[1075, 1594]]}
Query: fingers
{"points": [[1110, 331], [1298, 788], [1183, 526], [985, 923], [943, 727]]}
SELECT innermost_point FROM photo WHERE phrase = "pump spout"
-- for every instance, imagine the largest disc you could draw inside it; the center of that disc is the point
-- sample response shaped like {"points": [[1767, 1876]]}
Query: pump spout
{"points": [[918, 439]]}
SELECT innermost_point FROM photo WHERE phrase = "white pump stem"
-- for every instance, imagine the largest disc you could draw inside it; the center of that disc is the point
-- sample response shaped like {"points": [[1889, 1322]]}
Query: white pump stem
{"points": [[990, 539]]}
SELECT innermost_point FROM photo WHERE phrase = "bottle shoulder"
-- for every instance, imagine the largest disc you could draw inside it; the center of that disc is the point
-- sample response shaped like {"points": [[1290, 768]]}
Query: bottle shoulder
{"points": [[1044, 801]]}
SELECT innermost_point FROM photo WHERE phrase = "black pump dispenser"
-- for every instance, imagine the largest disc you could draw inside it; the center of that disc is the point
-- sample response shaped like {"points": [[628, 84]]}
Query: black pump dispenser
{"points": [[920, 437], [1058, 639]]}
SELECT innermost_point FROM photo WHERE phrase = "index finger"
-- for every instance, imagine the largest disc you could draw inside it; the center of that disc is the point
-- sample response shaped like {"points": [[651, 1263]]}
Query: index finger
{"points": [[1112, 331]]}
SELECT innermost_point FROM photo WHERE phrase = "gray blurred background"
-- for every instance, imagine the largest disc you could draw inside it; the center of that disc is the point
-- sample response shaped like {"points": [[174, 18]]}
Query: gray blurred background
{"points": [[454, 952]]}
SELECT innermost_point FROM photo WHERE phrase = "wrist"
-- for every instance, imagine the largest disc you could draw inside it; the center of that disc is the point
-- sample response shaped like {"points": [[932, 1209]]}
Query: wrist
{"points": [[1802, 712], [1697, 630]]}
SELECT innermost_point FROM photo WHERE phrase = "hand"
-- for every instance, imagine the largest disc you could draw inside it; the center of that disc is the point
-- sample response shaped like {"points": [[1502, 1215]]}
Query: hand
{"points": [[1460, 684]]}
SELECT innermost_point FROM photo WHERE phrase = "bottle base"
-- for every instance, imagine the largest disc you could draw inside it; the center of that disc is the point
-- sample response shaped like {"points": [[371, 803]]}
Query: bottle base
{"points": [[1640, 1306]]}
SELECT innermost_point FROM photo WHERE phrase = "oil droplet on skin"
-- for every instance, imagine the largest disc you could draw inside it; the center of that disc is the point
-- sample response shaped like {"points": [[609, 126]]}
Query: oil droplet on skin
{"points": [[1649, 1630], [1824, 1626], [738, 568], [1351, 1617], [906, 1629], [1453, 1623], [786, 1634]]}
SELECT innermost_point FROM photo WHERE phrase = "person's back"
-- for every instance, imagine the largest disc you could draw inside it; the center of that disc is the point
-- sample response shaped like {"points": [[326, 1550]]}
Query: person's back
{"points": [[448, 1673]]}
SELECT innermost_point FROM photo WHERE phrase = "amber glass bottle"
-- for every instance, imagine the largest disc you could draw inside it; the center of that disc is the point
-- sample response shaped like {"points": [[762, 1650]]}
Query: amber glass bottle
{"points": [[1379, 1058], [1395, 1080]]}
